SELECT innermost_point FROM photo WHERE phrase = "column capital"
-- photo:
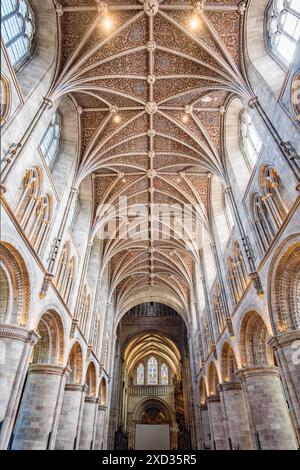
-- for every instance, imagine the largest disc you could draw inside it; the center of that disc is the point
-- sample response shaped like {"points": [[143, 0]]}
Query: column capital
{"points": [[48, 102], [76, 387], [213, 399], [232, 385], [245, 373], [253, 102], [19, 333], [48, 369], [284, 339], [92, 400]]}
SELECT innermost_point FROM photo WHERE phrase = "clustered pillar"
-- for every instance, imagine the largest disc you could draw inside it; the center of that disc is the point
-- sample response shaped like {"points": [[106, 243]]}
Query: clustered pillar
{"points": [[87, 437], [36, 425], [71, 417], [217, 422], [235, 410], [268, 411]]}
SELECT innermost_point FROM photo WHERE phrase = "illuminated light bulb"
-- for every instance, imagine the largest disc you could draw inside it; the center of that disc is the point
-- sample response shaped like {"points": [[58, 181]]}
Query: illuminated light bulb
{"points": [[124, 180], [185, 118], [194, 22], [117, 119], [107, 23]]}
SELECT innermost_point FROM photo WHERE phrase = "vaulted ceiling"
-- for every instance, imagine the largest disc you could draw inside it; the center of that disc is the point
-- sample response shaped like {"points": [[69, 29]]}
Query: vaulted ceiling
{"points": [[150, 79]]}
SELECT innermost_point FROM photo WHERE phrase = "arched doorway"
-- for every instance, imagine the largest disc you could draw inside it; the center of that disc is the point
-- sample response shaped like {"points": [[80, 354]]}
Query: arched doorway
{"points": [[154, 426], [152, 382]]}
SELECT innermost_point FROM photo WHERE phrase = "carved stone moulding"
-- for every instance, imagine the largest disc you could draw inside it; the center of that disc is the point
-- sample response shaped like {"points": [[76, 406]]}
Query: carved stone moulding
{"points": [[151, 7]]}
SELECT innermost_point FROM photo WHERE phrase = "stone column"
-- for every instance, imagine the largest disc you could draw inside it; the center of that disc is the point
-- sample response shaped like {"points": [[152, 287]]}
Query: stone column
{"points": [[37, 421], [217, 424], [71, 417], [287, 350], [236, 414], [205, 427], [16, 345], [268, 412], [87, 435], [100, 428]]}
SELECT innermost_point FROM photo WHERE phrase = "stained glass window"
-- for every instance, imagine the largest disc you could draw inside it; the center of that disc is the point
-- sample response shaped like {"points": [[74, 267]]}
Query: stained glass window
{"points": [[251, 141], [164, 374], [152, 371], [50, 143], [17, 23], [283, 27], [140, 375]]}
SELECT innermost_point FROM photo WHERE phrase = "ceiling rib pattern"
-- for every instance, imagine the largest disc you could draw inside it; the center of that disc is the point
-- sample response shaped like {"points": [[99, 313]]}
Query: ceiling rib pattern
{"points": [[151, 94]]}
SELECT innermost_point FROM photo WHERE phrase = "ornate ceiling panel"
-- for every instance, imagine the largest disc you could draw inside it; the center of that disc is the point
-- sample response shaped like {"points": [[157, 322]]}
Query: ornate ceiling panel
{"points": [[150, 79]]}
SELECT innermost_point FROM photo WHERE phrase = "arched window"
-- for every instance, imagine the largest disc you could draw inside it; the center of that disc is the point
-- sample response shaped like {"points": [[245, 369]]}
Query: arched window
{"points": [[30, 191], [5, 99], [270, 186], [268, 208], [283, 28], [84, 309], [65, 273], [262, 221], [34, 211], [40, 223], [50, 144], [140, 375], [250, 140], [218, 306], [17, 26], [164, 374], [237, 273], [152, 371]]}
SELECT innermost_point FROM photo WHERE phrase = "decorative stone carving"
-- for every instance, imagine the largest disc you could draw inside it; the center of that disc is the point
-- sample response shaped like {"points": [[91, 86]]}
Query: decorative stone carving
{"points": [[102, 7], [151, 79], [151, 107], [151, 173], [45, 286], [199, 7], [151, 133], [151, 7], [59, 9], [151, 46]]}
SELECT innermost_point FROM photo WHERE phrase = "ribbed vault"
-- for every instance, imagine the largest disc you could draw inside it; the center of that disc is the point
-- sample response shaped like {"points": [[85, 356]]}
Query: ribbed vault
{"points": [[150, 79]]}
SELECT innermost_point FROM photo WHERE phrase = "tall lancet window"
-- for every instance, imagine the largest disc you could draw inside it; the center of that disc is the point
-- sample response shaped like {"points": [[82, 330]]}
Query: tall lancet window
{"points": [[17, 23], [140, 375], [50, 143], [251, 142], [283, 29], [152, 371], [164, 374]]}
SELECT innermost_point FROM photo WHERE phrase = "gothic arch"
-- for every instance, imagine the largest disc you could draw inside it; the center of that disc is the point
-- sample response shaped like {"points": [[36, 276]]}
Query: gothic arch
{"points": [[5, 99], [91, 380], [228, 362], [257, 51], [103, 392], [254, 337], [235, 156], [46, 45], [75, 364], [50, 347], [66, 162], [15, 287], [212, 379], [221, 212], [152, 403], [284, 286], [202, 391]]}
